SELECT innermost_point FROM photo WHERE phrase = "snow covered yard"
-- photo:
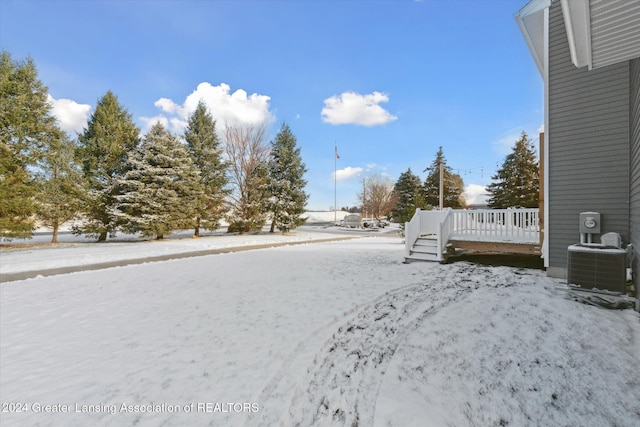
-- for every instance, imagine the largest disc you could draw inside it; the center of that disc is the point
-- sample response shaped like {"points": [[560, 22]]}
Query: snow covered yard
{"points": [[87, 253], [337, 333]]}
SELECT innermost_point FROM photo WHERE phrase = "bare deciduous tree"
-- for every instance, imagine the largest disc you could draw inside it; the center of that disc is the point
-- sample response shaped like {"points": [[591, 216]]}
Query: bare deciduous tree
{"points": [[377, 196], [247, 152]]}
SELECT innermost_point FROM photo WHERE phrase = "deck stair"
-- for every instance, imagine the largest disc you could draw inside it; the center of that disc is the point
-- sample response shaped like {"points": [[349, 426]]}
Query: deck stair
{"points": [[424, 249]]}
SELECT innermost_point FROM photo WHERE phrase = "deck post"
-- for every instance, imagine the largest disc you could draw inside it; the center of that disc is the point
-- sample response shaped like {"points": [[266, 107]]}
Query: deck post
{"points": [[541, 196]]}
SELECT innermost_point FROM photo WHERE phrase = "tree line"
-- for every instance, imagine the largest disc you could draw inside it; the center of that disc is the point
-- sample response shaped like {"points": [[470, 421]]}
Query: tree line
{"points": [[113, 178], [515, 185]]}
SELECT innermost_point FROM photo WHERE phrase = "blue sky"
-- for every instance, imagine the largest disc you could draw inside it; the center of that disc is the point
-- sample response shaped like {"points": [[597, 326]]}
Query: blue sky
{"points": [[387, 81]]}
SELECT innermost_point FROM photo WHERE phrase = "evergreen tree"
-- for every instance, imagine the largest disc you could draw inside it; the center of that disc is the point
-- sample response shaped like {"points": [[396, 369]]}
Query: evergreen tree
{"points": [[257, 199], [60, 184], [160, 190], [206, 151], [516, 184], [26, 124], [16, 196], [286, 182], [453, 184], [408, 194], [103, 148]]}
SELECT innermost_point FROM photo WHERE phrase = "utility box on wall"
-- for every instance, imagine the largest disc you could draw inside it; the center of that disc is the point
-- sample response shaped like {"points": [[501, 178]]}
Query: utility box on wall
{"points": [[590, 222], [589, 225]]}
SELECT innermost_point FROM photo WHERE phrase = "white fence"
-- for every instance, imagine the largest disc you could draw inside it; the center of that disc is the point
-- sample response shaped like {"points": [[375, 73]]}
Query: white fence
{"points": [[489, 225]]}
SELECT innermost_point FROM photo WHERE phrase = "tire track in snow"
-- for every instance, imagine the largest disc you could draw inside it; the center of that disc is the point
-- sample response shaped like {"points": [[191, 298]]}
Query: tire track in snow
{"points": [[276, 386], [342, 385]]}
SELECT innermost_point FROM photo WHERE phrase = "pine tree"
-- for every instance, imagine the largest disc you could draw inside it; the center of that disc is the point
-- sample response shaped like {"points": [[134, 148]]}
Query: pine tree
{"points": [[453, 184], [516, 184], [61, 186], [408, 194], [257, 199], [286, 182], [206, 151], [160, 190], [16, 196], [103, 148], [26, 124], [26, 121]]}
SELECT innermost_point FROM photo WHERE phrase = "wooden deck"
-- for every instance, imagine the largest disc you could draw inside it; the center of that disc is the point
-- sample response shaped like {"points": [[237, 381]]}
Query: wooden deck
{"points": [[524, 248], [433, 235]]}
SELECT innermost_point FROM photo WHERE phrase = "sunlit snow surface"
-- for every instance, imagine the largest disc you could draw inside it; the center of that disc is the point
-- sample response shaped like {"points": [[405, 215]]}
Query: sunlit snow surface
{"points": [[339, 333]]}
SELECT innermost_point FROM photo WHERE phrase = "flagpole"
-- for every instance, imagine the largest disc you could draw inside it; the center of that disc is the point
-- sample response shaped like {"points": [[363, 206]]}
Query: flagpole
{"points": [[335, 184], [441, 190]]}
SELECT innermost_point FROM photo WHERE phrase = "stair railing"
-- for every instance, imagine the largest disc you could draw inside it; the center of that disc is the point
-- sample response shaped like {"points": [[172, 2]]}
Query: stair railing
{"points": [[444, 233], [412, 232]]}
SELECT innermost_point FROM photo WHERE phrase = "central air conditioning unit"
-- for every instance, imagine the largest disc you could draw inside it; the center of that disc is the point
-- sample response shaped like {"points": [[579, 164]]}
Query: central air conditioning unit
{"points": [[591, 265], [601, 266], [597, 266]]}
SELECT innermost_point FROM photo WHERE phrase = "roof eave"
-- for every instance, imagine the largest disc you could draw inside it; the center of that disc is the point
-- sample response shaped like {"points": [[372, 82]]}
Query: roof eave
{"points": [[531, 29]]}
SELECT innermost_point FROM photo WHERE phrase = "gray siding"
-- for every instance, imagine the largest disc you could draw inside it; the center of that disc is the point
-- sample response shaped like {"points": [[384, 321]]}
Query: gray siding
{"points": [[588, 145], [634, 128]]}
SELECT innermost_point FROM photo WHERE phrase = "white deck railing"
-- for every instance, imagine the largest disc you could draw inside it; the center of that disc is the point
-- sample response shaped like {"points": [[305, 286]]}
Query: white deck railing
{"points": [[488, 225], [497, 225]]}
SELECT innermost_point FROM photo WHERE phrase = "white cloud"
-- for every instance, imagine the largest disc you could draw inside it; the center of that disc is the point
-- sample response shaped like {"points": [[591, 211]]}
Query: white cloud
{"points": [[541, 128], [150, 121], [475, 194], [72, 117], [346, 173], [167, 105], [224, 106], [353, 108], [178, 125]]}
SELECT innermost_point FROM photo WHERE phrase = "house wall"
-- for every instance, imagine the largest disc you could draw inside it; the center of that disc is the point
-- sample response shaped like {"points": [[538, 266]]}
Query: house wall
{"points": [[634, 129], [588, 136]]}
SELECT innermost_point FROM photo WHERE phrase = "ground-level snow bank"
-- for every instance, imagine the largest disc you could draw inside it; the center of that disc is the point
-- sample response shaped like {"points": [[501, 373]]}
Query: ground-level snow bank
{"points": [[320, 334]]}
